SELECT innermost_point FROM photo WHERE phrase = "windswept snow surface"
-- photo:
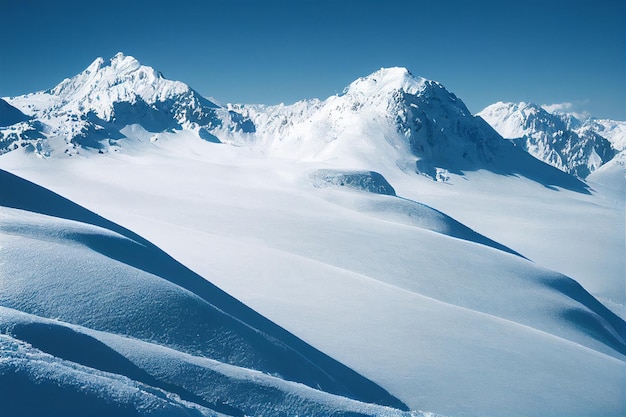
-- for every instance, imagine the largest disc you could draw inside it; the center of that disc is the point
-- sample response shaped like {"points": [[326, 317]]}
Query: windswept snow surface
{"points": [[440, 316], [146, 335], [386, 227]]}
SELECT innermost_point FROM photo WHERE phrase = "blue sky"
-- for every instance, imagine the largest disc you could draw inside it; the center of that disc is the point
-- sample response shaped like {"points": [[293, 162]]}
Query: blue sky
{"points": [[545, 51]]}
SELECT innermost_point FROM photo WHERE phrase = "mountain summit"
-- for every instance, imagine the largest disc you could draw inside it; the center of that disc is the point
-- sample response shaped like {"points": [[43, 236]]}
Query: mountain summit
{"points": [[389, 117], [387, 80], [392, 119], [91, 108], [122, 78]]}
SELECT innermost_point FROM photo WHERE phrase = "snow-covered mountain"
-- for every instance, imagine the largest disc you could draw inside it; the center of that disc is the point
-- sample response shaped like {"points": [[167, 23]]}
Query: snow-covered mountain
{"points": [[91, 108], [614, 131], [560, 140], [18, 130], [386, 120], [481, 293], [413, 122]]}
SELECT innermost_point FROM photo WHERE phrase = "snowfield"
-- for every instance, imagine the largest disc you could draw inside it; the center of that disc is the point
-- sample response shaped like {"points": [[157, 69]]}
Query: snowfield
{"points": [[83, 270], [436, 266]]}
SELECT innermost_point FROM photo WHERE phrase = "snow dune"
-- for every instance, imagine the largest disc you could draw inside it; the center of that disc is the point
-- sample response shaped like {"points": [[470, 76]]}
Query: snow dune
{"points": [[63, 262], [78, 371]]}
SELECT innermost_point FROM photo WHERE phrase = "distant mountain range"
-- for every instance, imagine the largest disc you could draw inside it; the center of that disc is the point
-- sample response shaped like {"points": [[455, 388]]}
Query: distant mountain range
{"points": [[389, 118], [562, 140]]}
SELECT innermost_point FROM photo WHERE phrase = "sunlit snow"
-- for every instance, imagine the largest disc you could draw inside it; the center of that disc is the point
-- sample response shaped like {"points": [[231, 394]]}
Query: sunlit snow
{"points": [[437, 264]]}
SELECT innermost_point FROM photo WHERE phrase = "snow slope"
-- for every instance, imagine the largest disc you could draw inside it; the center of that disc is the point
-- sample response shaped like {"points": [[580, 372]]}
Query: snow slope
{"points": [[9, 115], [611, 174], [555, 139], [379, 282], [84, 270], [454, 295]]}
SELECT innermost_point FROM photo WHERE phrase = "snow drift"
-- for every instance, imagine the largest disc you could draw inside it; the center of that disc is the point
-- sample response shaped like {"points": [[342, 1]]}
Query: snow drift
{"points": [[84, 270]]}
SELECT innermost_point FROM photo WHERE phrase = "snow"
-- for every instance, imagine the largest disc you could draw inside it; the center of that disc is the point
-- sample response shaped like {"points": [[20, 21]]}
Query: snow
{"points": [[467, 285], [89, 272], [613, 130], [611, 175], [386, 80], [91, 108], [122, 79], [143, 377], [70, 389], [356, 276], [558, 139], [508, 119], [386, 120]]}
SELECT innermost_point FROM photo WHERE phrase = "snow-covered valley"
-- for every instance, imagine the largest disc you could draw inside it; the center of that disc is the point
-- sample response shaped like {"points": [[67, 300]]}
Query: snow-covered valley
{"points": [[439, 266]]}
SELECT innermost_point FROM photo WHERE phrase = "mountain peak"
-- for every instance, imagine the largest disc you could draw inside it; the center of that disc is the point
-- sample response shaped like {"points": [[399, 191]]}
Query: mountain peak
{"points": [[95, 65], [120, 56], [121, 79], [119, 70], [556, 139], [508, 106], [387, 80], [121, 62]]}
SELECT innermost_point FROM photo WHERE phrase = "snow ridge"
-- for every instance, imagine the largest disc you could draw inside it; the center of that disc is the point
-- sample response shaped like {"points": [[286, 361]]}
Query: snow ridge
{"points": [[560, 140], [107, 270], [91, 108]]}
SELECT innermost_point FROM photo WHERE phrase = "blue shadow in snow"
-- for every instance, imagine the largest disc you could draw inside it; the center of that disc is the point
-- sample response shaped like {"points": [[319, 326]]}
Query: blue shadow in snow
{"points": [[21, 396], [288, 355], [65, 343], [588, 322]]}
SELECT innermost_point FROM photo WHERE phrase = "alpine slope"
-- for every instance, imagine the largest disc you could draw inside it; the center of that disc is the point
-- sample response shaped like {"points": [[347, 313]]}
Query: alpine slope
{"points": [[380, 252]]}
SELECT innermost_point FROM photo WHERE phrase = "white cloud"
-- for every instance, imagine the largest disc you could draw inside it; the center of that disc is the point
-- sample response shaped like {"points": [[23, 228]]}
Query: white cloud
{"points": [[558, 107], [576, 109]]}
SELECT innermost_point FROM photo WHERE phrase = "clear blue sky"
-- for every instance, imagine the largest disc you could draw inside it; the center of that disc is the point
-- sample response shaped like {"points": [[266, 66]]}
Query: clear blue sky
{"points": [[545, 51]]}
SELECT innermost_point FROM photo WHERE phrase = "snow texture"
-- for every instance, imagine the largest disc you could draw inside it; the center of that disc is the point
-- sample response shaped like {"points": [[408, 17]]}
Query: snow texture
{"points": [[438, 266], [87, 271]]}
